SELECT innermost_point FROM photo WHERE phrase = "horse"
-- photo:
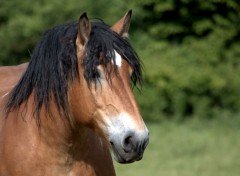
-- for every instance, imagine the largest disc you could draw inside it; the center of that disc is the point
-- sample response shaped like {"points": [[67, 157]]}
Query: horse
{"points": [[67, 111]]}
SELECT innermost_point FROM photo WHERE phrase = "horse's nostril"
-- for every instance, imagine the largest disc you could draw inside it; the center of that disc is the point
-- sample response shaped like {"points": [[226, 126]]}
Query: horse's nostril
{"points": [[128, 143]]}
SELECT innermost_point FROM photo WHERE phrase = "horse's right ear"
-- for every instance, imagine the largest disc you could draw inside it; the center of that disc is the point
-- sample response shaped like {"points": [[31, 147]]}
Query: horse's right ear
{"points": [[84, 29]]}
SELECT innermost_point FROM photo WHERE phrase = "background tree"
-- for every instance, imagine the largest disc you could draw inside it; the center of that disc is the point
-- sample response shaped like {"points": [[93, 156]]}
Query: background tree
{"points": [[191, 55]]}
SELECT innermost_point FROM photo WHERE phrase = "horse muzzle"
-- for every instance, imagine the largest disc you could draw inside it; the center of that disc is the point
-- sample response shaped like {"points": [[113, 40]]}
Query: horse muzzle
{"points": [[129, 146]]}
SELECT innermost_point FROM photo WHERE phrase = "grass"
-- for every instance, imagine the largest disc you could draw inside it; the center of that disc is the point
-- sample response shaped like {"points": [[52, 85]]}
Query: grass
{"points": [[193, 148]]}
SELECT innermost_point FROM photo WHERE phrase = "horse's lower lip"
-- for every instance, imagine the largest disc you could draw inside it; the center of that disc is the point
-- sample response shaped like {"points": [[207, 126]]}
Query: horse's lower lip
{"points": [[125, 157], [123, 161]]}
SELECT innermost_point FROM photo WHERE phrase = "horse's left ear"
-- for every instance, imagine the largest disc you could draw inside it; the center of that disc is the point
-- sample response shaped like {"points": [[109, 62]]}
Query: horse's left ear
{"points": [[84, 29], [122, 26]]}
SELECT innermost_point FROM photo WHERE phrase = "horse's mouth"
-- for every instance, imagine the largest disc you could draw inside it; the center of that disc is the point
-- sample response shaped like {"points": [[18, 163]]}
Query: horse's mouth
{"points": [[124, 157], [123, 161]]}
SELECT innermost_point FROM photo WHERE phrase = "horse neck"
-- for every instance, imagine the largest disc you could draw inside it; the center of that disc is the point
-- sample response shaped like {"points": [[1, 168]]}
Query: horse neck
{"points": [[80, 145]]}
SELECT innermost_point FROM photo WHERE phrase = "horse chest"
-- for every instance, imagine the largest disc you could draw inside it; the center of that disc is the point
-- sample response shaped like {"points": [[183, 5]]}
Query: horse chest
{"points": [[31, 156]]}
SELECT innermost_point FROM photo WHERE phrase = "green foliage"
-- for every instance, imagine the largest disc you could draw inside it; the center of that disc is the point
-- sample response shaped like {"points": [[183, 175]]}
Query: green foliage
{"points": [[191, 57]]}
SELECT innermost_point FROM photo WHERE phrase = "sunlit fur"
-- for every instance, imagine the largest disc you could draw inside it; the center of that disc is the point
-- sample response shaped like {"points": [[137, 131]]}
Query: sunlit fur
{"points": [[54, 65]]}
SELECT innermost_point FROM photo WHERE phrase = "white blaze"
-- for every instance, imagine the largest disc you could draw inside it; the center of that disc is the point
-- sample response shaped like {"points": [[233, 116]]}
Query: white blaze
{"points": [[118, 59]]}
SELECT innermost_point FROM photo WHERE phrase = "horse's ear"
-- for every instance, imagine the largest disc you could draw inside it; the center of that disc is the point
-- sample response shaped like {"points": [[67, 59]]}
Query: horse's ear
{"points": [[84, 29], [122, 26]]}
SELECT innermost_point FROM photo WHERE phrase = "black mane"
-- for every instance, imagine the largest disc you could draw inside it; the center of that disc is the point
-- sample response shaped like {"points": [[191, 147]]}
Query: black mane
{"points": [[54, 65]]}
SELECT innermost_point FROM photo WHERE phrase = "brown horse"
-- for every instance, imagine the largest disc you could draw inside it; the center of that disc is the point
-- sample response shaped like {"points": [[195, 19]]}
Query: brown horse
{"points": [[63, 112]]}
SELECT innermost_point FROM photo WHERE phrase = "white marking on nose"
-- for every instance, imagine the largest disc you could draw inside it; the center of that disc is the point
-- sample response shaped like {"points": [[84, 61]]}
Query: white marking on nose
{"points": [[123, 123], [118, 59]]}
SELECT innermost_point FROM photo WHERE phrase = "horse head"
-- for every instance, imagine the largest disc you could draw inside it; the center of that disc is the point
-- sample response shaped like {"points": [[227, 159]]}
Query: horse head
{"points": [[107, 65]]}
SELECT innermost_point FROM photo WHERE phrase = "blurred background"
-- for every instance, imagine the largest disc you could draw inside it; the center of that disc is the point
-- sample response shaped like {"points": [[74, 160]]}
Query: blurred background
{"points": [[190, 98]]}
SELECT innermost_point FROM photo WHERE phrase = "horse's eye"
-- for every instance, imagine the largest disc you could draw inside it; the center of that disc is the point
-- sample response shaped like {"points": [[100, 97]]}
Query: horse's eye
{"points": [[95, 74]]}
